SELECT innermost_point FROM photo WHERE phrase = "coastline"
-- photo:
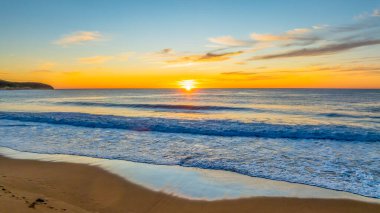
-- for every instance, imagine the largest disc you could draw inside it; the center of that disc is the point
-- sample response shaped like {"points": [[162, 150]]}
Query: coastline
{"points": [[87, 188]]}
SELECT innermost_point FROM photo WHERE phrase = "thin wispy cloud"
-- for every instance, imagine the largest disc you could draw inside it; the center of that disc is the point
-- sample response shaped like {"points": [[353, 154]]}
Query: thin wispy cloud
{"points": [[320, 26], [365, 70], [160, 56], [166, 51], [246, 76], [364, 22], [376, 13], [289, 35], [229, 41], [294, 37], [268, 37], [280, 73], [372, 70], [208, 57], [324, 50], [81, 37], [172, 58]]}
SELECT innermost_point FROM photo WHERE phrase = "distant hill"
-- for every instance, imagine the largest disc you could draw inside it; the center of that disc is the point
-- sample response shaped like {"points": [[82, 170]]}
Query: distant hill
{"points": [[7, 85]]}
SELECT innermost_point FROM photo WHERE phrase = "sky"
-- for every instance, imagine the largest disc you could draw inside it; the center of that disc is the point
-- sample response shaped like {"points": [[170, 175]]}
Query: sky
{"points": [[214, 43]]}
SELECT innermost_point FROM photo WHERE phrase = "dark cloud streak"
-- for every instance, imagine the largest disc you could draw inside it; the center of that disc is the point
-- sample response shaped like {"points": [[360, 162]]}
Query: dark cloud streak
{"points": [[325, 50], [208, 57]]}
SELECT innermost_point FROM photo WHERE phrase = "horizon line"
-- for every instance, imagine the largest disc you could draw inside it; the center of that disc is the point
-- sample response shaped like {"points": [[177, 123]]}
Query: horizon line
{"points": [[142, 88]]}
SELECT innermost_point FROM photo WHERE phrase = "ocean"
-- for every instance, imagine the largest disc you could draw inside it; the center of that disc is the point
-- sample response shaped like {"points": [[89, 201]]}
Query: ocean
{"points": [[319, 137]]}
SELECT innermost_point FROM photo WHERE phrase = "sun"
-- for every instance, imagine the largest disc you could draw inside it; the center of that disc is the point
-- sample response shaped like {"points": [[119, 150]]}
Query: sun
{"points": [[187, 84]]}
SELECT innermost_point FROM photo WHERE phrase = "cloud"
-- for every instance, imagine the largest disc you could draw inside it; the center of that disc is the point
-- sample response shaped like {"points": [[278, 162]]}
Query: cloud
{"points": [[298, 33], [373, 70], [246, 76], [81, 37], [294, 37], [324, 50], [364, 22], [166, 51], [316, 40], [298, 36], [300, 71], [320, 26], [96, 59], [259, 39], [268, 37], [159, 56], [208, 57], [229, 41], [376, 13], [320, 39], [365, 15]]}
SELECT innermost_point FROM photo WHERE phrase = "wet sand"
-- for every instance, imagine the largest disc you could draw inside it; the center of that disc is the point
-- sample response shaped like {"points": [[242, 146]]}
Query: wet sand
{"points": [[36, 186]]}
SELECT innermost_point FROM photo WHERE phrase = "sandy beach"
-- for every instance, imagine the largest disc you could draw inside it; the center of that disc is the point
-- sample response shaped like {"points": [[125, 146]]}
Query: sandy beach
{"points": [[35, 186]]}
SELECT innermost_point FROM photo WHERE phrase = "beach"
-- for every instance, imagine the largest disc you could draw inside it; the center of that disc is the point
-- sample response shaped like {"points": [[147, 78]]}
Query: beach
{"points": [[69, 187]]}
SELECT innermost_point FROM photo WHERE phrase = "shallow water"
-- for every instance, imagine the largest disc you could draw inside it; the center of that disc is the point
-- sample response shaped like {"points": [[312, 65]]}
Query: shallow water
{"points": [[326, 138], [193, 183]]}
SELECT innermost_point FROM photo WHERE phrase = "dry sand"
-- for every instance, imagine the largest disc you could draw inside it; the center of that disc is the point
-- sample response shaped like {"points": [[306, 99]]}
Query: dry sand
{"points": [[35, 186]]}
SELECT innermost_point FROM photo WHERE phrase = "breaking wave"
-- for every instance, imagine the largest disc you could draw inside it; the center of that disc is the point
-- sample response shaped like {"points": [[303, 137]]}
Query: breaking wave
{"points": [[224, 128], [155, 106]]}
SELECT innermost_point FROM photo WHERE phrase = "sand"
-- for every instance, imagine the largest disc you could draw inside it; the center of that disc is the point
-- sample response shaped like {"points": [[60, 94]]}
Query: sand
{"points": [[36, 186]]}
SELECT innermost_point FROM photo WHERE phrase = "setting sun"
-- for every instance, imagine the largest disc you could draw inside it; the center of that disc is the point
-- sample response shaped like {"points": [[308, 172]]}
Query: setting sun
{"points": [[188, 84]]}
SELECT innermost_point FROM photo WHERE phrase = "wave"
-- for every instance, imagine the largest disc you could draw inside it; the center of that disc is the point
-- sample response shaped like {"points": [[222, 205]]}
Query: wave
{"points": [[208, 108], [155, 106], [373, 109], [337, 115], [224, 128]]}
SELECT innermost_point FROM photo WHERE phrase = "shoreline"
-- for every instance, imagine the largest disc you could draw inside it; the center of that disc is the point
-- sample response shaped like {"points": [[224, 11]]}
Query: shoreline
{"points": [[193, 183], [82, 188], [79, 187]]}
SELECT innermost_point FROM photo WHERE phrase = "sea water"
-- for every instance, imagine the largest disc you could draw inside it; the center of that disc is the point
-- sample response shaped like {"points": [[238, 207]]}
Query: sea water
{"points": [[325, 138]]}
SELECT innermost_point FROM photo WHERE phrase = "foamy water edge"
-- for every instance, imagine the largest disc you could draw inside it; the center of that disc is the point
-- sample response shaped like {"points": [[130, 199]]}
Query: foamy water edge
{"points": [[193, 183]]}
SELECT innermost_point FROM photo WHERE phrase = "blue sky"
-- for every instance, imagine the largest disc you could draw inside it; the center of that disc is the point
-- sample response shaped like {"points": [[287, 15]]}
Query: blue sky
{"points": [[148, 25]]}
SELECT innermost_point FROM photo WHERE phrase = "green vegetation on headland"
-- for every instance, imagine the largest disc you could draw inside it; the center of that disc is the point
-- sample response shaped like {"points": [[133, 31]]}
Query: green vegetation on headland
{"points": [[7, 85]]}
